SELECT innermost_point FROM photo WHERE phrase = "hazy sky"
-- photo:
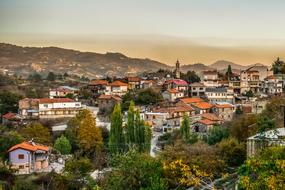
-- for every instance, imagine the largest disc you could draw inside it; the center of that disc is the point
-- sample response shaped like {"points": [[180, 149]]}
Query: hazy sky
{"points": [[246, 28]]}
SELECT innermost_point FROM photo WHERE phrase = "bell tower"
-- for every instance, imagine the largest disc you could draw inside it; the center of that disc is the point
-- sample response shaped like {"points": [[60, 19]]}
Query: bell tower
{"points": [[177, 70]]}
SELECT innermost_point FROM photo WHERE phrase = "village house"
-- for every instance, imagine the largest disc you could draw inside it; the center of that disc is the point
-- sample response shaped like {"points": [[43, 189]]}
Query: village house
{"points": [[11, 119], [172, 95], [116, 88], [272, 85], [177, 84], [197, 89], [147, 84], [134, 83], [210, 78], [224, 111], [48, 108], [221, 94], [106, 103], [202, 107], [191, 101], [63, 91], [249, 80], [156, 119], [97, 87], [206, 122], [29, 157]]}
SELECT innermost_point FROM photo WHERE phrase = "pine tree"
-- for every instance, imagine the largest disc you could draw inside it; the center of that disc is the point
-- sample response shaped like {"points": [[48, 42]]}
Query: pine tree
{"points": [[185, 128], [89, 136], [116, 138]]}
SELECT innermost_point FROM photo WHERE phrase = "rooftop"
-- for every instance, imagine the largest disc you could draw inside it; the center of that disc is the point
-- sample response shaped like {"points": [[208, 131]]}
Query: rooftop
{"points": [[216, 89], [118, 83], [31, 146], [98, 82], [177, 82], [203, 105], [206, 122], [191, 100]]}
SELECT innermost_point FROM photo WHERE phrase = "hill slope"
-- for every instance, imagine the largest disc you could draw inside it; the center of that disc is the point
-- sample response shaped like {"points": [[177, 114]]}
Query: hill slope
{"points": [[25, 60]]}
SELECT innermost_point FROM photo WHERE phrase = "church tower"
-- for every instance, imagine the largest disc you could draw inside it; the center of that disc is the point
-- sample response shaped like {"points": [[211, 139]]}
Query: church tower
{"points": [[177, 70]]}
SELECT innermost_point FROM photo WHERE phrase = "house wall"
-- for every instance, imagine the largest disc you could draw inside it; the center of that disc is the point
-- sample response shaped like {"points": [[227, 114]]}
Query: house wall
{"points": [[13, 156]]}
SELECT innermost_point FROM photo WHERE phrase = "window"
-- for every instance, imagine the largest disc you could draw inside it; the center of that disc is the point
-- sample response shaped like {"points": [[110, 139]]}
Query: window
{"points": [[21, 167], [21, 156], [45, 106]]}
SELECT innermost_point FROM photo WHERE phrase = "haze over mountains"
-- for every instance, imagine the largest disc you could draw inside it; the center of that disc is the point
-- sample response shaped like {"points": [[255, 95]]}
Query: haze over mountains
{"points": [[25, 60]]}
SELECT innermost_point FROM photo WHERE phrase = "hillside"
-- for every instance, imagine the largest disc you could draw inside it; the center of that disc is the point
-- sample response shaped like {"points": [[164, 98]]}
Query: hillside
{"points": [[25, 60]]}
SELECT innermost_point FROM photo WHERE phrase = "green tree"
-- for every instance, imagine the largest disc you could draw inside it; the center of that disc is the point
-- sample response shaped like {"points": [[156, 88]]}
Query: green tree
{"points": [[51, 76], [190, 77], [185, 128], [229, 72], [278, 66], [62, 145], [89, 135], [249, 93], [7, 140], [216, 134], [131, 123], [148, 96], [232, 152], [134, 170], [116, 136], [9, 102], [37, 132], [36, 77]]}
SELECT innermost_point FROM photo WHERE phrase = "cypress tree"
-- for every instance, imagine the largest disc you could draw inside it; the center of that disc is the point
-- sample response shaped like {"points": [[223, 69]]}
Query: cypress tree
{"points": [[116, 138], [185, 128], [131, 123]]}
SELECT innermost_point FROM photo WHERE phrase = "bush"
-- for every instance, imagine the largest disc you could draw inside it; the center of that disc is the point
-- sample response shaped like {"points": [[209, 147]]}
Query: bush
{"points": [[62, 145]]}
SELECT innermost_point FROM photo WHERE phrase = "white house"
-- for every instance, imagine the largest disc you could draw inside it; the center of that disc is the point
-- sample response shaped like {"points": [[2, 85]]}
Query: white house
{"points": [[172, 94], [215, 95], [116, 88], [272, 85]]}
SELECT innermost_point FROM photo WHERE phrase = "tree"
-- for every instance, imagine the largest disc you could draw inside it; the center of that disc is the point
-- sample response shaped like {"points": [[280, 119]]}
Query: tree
{"points": [[278, 66], [216, 134], [134, 170], [116, 138], [190, 77], [148, 96], [232, 152], [51, 76], [62, 145], [89, 136], [37, 132], [185, 128], [229, 72], [130, 133], [266, 171], [9, 102], [249, 93], [36, 77], [7, 140]]}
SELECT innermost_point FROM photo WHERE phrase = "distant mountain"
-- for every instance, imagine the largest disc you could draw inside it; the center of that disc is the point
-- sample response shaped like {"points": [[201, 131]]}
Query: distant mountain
{"points": [[222, 64], [197, 67], [26, 60]]}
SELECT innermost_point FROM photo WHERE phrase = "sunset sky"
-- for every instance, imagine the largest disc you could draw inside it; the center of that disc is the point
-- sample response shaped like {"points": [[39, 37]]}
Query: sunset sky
{"points": [[243, 31]]}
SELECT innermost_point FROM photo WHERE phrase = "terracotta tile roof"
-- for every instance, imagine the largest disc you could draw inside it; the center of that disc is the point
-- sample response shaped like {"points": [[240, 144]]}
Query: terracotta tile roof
{"points": [[177, 82], [191, 100], [223, 106], [54, 100], [108, 97], [134, 79], [174, 91], [211, 117], [203, 105], [271, 77], [206, 122], [118, 83], [29, 146], [98, 82], [9, 115], [171, 110]]}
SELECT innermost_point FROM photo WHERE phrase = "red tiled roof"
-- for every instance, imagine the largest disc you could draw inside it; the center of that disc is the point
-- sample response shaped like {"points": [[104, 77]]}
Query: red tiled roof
{"points": [[211, 117], [60, 89], [118, 83], [223, 106], [206, 122], [134, 79], [203, 105], [54, 100], [9, 115], [177, 82], [178, 108], [174, 91], [29, 146], [98, 82], [271, 77], [191, 100]]}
